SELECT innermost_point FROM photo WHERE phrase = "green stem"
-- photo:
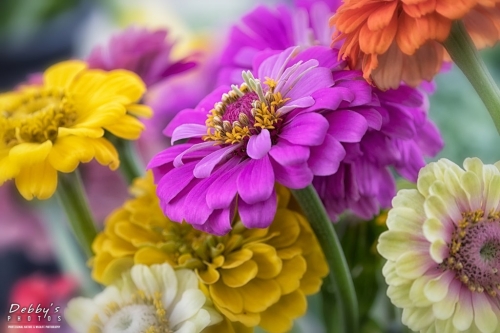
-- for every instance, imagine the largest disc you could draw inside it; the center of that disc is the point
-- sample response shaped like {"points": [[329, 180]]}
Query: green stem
{"points": [[339, 279], [463, 52], [72, 198], [331, 310], [130, 162]]}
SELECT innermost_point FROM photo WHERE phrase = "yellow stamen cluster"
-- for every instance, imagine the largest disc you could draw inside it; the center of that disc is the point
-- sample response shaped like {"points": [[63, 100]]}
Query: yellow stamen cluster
{"points": [[459, 239], [264, 113], [36, 116]]}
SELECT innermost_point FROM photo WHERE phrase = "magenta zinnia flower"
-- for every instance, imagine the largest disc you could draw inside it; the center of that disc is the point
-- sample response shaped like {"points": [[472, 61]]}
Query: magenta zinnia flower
{"points": [[144, 52], [401, 134], [264, 131]]}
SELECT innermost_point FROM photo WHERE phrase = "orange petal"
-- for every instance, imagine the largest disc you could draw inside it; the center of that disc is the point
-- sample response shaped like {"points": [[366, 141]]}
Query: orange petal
{"points": [[382, 16], [454, 9], [380, 40]]}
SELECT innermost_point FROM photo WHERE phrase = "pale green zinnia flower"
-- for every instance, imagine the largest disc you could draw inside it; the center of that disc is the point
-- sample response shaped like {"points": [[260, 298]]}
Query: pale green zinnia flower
{"points": [[443, 249], [154, 299]]}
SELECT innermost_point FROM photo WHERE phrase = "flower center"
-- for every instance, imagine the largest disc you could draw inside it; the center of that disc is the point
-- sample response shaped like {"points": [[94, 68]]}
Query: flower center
{"points": [[475, 252], [245, 111], [35, 116], [142, 314], [132, 319]]}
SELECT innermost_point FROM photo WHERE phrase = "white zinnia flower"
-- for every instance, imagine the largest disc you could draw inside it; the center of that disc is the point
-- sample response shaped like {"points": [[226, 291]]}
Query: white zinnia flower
{"points": [[443, 249], [151, 299]]}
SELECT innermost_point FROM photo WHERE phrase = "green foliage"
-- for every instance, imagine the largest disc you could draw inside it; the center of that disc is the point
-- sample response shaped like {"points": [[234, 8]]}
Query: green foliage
{"points": [[359, 239]]}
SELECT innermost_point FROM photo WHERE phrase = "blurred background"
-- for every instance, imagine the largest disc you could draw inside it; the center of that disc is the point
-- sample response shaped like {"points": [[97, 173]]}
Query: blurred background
{"points": [[37, 259]]}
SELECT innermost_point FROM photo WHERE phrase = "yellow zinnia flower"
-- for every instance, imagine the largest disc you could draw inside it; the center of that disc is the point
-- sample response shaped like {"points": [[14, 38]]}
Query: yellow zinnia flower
{"points": [[55, 126], [253, 276]]}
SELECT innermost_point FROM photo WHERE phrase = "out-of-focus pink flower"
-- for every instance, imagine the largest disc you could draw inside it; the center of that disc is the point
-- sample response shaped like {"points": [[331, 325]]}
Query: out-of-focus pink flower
{"points": [[44, 298], [106, 190], [21, 227], [146, 53], [172, 95]]}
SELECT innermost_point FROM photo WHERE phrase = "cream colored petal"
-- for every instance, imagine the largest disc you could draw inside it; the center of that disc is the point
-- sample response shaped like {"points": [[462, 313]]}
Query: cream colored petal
{"points": [[215, 316], [203, 319], [437, 288], [412, 265], [454, 187], [424, 182], [409, 198], [405, 219], [472, 186], [440, 189], [400, 295], [189, 304], [167, 281], [186, 279], [109, 295], [446, 326], [464, 313], [418, 318], [493, 194], [391, 276], [79, 314], [186, 327], [393, 244], [435, 230], [436, 208], [445, 308], [446, 164], [417, 294], [146, 280], [439, 250], [475, 165], [485, 318]]}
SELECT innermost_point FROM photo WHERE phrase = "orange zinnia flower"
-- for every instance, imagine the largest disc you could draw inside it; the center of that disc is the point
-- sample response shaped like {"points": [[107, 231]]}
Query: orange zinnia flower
{"points": [[399, 40]]}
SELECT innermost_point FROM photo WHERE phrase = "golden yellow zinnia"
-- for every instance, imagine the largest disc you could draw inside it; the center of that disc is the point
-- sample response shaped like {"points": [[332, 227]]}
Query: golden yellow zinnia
{"points": [[253, 276], [60, 123]]}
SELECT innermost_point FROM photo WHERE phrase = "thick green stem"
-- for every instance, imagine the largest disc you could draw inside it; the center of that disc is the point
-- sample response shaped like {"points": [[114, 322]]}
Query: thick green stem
{"points": [[463, 52], [339, 279], [72, 198], [130, 162], [331, 309]]}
